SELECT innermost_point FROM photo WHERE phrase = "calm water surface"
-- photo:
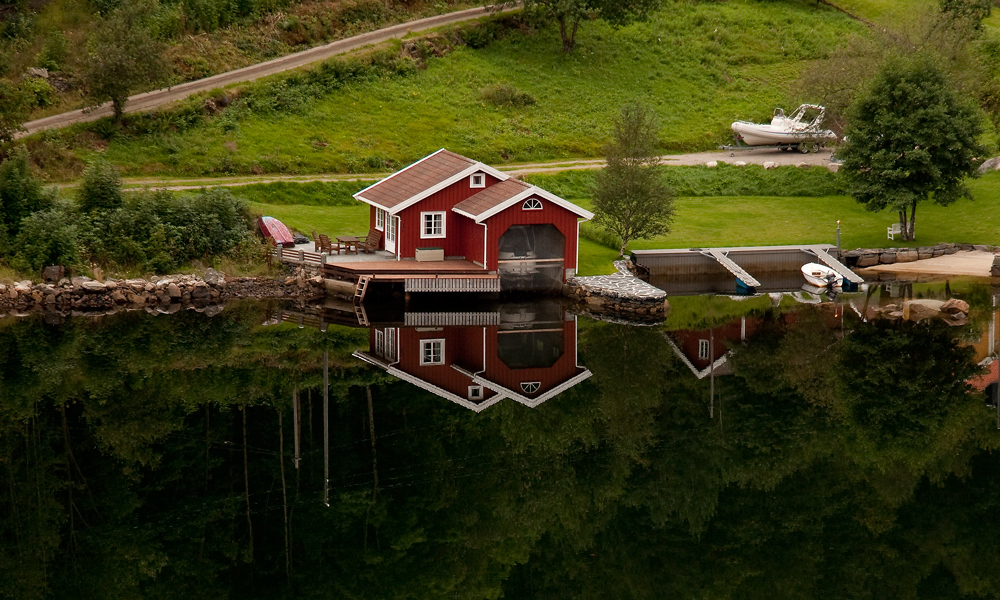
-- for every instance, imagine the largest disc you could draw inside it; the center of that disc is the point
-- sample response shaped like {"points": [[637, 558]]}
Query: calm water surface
{"points": [[776, 447]]}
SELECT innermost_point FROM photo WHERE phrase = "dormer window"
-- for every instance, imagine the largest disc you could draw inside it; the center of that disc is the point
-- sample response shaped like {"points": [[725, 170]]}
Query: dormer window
{"points": [[532, 204], [530, 387], [478, 180]]}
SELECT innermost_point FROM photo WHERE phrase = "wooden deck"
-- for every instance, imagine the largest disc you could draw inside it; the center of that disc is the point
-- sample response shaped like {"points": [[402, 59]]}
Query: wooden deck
{"points": [[399, 270]]}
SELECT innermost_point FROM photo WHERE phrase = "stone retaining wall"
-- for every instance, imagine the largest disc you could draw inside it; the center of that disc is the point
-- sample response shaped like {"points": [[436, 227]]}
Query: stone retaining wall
{"points": [[85, 294], [869, 257], [622, 295]]}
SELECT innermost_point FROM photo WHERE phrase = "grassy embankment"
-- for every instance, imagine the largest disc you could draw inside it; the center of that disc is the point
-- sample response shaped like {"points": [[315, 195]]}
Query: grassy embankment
{"points": [[701, 65]]}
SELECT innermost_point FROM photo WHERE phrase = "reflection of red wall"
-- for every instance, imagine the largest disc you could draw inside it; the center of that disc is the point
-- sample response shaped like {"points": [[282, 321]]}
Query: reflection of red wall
{"points": [[550, 377], [564, 220], [408, 236], [724, 336]]}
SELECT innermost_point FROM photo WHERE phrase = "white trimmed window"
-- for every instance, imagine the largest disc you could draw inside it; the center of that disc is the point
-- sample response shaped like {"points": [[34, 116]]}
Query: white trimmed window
{"points": [[475, 393], [431, 352], [532, 204], [477, 180], [380, 219], [703, 349], [530, 387], [432, 224], [380, 342], [390, 343]]}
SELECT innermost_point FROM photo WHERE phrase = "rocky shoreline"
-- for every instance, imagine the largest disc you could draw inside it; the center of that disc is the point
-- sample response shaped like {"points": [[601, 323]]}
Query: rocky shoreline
{"points": [[870, 257], [157, 294]]}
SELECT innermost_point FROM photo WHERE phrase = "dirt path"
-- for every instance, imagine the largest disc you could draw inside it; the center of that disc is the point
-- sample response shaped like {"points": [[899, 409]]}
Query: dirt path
{"points": [[158, 98], [758, 156]]}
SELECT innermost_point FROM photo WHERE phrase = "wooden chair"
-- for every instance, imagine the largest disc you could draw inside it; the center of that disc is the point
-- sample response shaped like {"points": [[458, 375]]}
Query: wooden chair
{"points": [[370, 243], [325, 245]]}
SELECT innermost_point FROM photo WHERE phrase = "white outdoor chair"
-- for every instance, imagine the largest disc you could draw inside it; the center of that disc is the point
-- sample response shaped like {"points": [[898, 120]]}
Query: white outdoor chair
{"points": [[893, 230]]}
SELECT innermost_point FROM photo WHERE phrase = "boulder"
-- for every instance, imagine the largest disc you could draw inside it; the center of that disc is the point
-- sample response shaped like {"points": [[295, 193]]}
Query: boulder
{"points": [[905, 256], [833, 167], [53, 273], [918, 310], [79, 280], [770, 164], [982, 248], [93, 286], [38, 72], [868, 260], [954, 305], [712, 164], [992, 164], [173, 291], [740, 163], [887, 258]]}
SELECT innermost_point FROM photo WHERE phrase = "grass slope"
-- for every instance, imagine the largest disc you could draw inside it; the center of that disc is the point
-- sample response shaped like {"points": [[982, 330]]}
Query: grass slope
{"points": [[701, 65]]}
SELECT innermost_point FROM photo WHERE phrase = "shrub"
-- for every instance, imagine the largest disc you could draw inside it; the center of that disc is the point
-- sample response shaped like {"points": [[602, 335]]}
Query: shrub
{"points": [[39, 91], [48, 237], [102, 186], [504, 94], [54, 51], [20, 191]]}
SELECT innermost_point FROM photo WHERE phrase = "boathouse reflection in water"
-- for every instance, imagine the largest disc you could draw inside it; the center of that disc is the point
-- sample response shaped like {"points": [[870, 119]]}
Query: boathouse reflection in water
{"points": [[526, 352]]}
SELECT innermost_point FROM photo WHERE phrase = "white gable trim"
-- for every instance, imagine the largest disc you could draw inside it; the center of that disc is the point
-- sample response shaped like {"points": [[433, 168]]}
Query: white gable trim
{"points": [[699, 373], [424, 385], [531, 191], [474, 168], [356, 195], [532, 402]]}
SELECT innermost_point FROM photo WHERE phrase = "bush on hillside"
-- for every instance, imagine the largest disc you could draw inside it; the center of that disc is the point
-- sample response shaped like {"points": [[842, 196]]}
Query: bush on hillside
{"points": [[101, 188], [21, 192], [504, 94]]}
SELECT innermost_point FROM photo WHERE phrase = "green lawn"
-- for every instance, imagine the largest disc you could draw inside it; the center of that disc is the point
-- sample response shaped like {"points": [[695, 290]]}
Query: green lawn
{"points": [[737, 221], [701, 65]]}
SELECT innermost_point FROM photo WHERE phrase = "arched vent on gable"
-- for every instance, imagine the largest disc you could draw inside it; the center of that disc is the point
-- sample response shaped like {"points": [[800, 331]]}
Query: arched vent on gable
{"points": [[532, 204], [530, 387]]}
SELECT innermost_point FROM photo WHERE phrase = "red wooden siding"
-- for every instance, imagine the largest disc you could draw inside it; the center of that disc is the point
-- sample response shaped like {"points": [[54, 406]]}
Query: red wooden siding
{"points": [[564, 221], [472, 235], [463, 346], [564, 368], [408, 237]]}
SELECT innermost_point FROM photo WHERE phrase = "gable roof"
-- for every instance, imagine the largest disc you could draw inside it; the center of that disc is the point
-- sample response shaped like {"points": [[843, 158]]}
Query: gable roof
{"points": [[500, 196], [421, 179]]}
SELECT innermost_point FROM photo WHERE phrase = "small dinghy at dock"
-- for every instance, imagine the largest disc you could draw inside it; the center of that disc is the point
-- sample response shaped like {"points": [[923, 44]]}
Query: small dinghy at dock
{"points": [[276, 230], [822, 276]]}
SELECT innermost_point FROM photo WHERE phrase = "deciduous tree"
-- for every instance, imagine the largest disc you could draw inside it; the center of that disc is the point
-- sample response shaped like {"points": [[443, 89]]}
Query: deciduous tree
{"points": [[569, 13], [912, 138], [14, 107], [123, 56], [631, 198]]}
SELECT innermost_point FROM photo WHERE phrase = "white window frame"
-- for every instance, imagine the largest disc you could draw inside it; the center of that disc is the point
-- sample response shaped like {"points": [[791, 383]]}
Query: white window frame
{"points": [[477, 180], [426, 345], [423, 224], [391, 337], [532, 204], [380, 342], [476, 392], [703, 350], [530, 387], [380, 219]]}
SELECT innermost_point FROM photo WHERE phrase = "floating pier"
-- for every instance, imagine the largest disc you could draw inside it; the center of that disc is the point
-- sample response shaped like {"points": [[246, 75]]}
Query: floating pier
{"points": [[756, 268]]}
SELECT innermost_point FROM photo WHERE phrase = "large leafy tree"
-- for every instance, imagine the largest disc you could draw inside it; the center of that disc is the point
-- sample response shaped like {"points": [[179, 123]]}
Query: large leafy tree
{"points": [[912, 138], [568, 13], [123, 56], [631, 198]]}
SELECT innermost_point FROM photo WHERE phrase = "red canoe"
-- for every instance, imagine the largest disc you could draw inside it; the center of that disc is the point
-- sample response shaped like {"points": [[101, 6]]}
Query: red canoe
{"points": [[275, 229]]}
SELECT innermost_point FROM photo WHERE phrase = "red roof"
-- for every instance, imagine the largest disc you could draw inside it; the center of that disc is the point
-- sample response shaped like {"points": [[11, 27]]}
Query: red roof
{"points": [[491, 197], [979, 382], [417, 180]]}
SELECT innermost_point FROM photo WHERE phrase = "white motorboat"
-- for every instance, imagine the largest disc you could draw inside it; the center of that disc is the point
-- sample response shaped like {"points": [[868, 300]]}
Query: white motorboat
{"points": [[822, 276], [801, 130]]}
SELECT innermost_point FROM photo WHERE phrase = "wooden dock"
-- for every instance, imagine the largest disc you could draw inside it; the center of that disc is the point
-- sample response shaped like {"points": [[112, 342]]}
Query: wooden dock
{"points": [[748, 264]]}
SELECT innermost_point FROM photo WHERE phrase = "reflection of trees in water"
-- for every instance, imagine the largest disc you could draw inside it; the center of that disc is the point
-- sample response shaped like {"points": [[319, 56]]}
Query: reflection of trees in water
{"points": [[817, 481]]}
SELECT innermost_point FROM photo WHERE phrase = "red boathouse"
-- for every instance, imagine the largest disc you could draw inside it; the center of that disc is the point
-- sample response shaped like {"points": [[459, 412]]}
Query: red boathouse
{"points": [[446, 206]]}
